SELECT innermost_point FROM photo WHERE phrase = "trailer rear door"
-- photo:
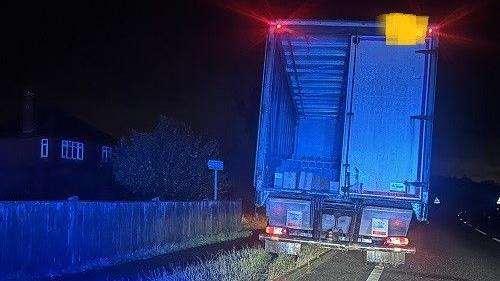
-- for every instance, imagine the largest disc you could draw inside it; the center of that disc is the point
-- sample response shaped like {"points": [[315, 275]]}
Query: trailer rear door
{"points": [[386, 107]]}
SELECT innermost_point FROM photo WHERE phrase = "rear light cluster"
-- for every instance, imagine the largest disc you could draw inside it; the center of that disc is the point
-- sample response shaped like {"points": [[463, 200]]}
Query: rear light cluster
{"points": [[276, 230], [397, 241]]}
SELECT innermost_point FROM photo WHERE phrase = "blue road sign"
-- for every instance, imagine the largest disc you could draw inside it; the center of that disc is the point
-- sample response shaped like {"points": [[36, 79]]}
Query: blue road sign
{"points": [[216, 165]]}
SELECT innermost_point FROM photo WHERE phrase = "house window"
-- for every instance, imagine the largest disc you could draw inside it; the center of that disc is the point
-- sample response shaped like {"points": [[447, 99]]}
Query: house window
{"points": [[44, 148], [72, 150], [106, 154]]}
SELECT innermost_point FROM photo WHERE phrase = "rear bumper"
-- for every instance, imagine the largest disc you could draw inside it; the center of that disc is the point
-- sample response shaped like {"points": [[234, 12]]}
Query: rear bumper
{"points": [[348, 246]]}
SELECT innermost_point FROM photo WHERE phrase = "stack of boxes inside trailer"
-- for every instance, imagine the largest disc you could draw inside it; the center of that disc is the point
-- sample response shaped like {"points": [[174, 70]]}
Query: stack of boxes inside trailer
{"points": [[306, 174]]}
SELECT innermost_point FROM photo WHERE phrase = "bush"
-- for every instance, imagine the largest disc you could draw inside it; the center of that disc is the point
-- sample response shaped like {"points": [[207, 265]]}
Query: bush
{"points": [[170, 162]]}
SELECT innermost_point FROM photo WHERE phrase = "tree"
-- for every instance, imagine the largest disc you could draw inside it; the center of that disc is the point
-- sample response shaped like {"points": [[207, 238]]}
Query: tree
{"points": [[169, 162]]}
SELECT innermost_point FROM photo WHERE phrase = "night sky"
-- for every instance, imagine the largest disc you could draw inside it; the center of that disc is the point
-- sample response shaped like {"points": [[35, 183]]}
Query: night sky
{"points": [[119, 66]]}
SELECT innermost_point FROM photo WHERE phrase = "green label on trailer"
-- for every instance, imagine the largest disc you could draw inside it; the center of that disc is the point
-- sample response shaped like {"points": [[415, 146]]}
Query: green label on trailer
{"points": [[398, 187]]}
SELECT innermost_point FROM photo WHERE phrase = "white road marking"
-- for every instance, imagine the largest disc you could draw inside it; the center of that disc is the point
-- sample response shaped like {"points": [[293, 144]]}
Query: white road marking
{"points": [[480, 231], [496, 239], [376, 273]]}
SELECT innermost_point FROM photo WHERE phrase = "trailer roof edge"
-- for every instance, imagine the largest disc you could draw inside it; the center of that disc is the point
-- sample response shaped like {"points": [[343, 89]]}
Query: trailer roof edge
{"points": [[339, 23]]}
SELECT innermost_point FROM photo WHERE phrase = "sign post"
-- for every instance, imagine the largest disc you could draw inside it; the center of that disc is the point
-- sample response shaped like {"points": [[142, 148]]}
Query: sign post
{"points": [[216, 165]]}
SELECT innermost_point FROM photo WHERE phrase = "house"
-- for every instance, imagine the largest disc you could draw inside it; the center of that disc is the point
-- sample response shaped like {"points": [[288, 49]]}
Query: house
{"points": [[50, 154]]}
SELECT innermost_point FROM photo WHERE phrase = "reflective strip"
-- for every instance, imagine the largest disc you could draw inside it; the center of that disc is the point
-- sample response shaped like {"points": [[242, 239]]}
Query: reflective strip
{"points": [[376, 273], [338, 245], [480, 231]]}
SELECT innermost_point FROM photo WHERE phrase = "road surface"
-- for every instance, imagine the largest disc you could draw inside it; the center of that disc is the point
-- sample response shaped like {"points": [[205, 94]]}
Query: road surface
{"points": [[447, 249]]}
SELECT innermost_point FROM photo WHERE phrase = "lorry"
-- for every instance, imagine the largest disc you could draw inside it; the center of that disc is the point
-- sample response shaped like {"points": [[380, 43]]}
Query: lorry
{"points": [[344, 138]]}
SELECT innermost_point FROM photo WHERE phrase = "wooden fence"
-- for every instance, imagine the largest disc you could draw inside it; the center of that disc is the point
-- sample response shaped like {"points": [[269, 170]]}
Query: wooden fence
{"points": [[50, 236]]}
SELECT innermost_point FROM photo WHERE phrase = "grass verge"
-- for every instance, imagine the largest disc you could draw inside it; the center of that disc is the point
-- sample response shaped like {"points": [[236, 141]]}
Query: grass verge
{"points": [[132, 256], [246, 264], [165, 249]]}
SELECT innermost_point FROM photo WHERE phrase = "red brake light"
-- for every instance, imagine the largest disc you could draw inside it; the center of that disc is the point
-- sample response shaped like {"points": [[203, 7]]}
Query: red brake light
{"points": [[278, 26], [397, 241], [276, 230]]}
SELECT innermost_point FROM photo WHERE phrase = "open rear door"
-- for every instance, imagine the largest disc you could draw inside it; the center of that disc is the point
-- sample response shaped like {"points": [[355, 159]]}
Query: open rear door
{"points": [[385, 116]]}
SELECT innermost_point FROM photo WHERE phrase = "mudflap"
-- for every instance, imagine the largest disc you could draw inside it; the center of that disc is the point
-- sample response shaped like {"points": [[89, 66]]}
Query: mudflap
{"points": [[383, 257], [279, 247]]}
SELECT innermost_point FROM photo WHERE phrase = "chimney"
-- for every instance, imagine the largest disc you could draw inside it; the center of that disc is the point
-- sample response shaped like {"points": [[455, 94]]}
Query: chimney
{"points": [[28, 124]]}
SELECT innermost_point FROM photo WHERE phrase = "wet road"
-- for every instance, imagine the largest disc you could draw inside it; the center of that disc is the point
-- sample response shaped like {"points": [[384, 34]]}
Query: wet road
{"points": [[447, 249]]}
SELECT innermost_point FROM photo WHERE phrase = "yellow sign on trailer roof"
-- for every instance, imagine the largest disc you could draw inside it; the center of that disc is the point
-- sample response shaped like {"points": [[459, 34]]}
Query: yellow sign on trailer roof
{"points": [[404, 29]]}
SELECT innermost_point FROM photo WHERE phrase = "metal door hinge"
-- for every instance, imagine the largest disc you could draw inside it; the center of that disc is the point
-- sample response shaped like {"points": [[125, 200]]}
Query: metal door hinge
{"points": [[426, 51], [416, 183], [422, 117]]}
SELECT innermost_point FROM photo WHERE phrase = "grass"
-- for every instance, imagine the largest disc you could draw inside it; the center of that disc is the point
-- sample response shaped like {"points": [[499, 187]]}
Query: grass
{"points": [[133, 256], [246, 264], [154, 251]]}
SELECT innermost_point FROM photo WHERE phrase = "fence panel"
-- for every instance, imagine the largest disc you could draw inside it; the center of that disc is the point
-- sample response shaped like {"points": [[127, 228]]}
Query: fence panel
{"points": [[43, 237]]}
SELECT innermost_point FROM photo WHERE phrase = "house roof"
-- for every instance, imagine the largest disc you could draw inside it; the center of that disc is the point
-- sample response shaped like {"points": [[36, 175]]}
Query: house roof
{"points": [[53, 122]]}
